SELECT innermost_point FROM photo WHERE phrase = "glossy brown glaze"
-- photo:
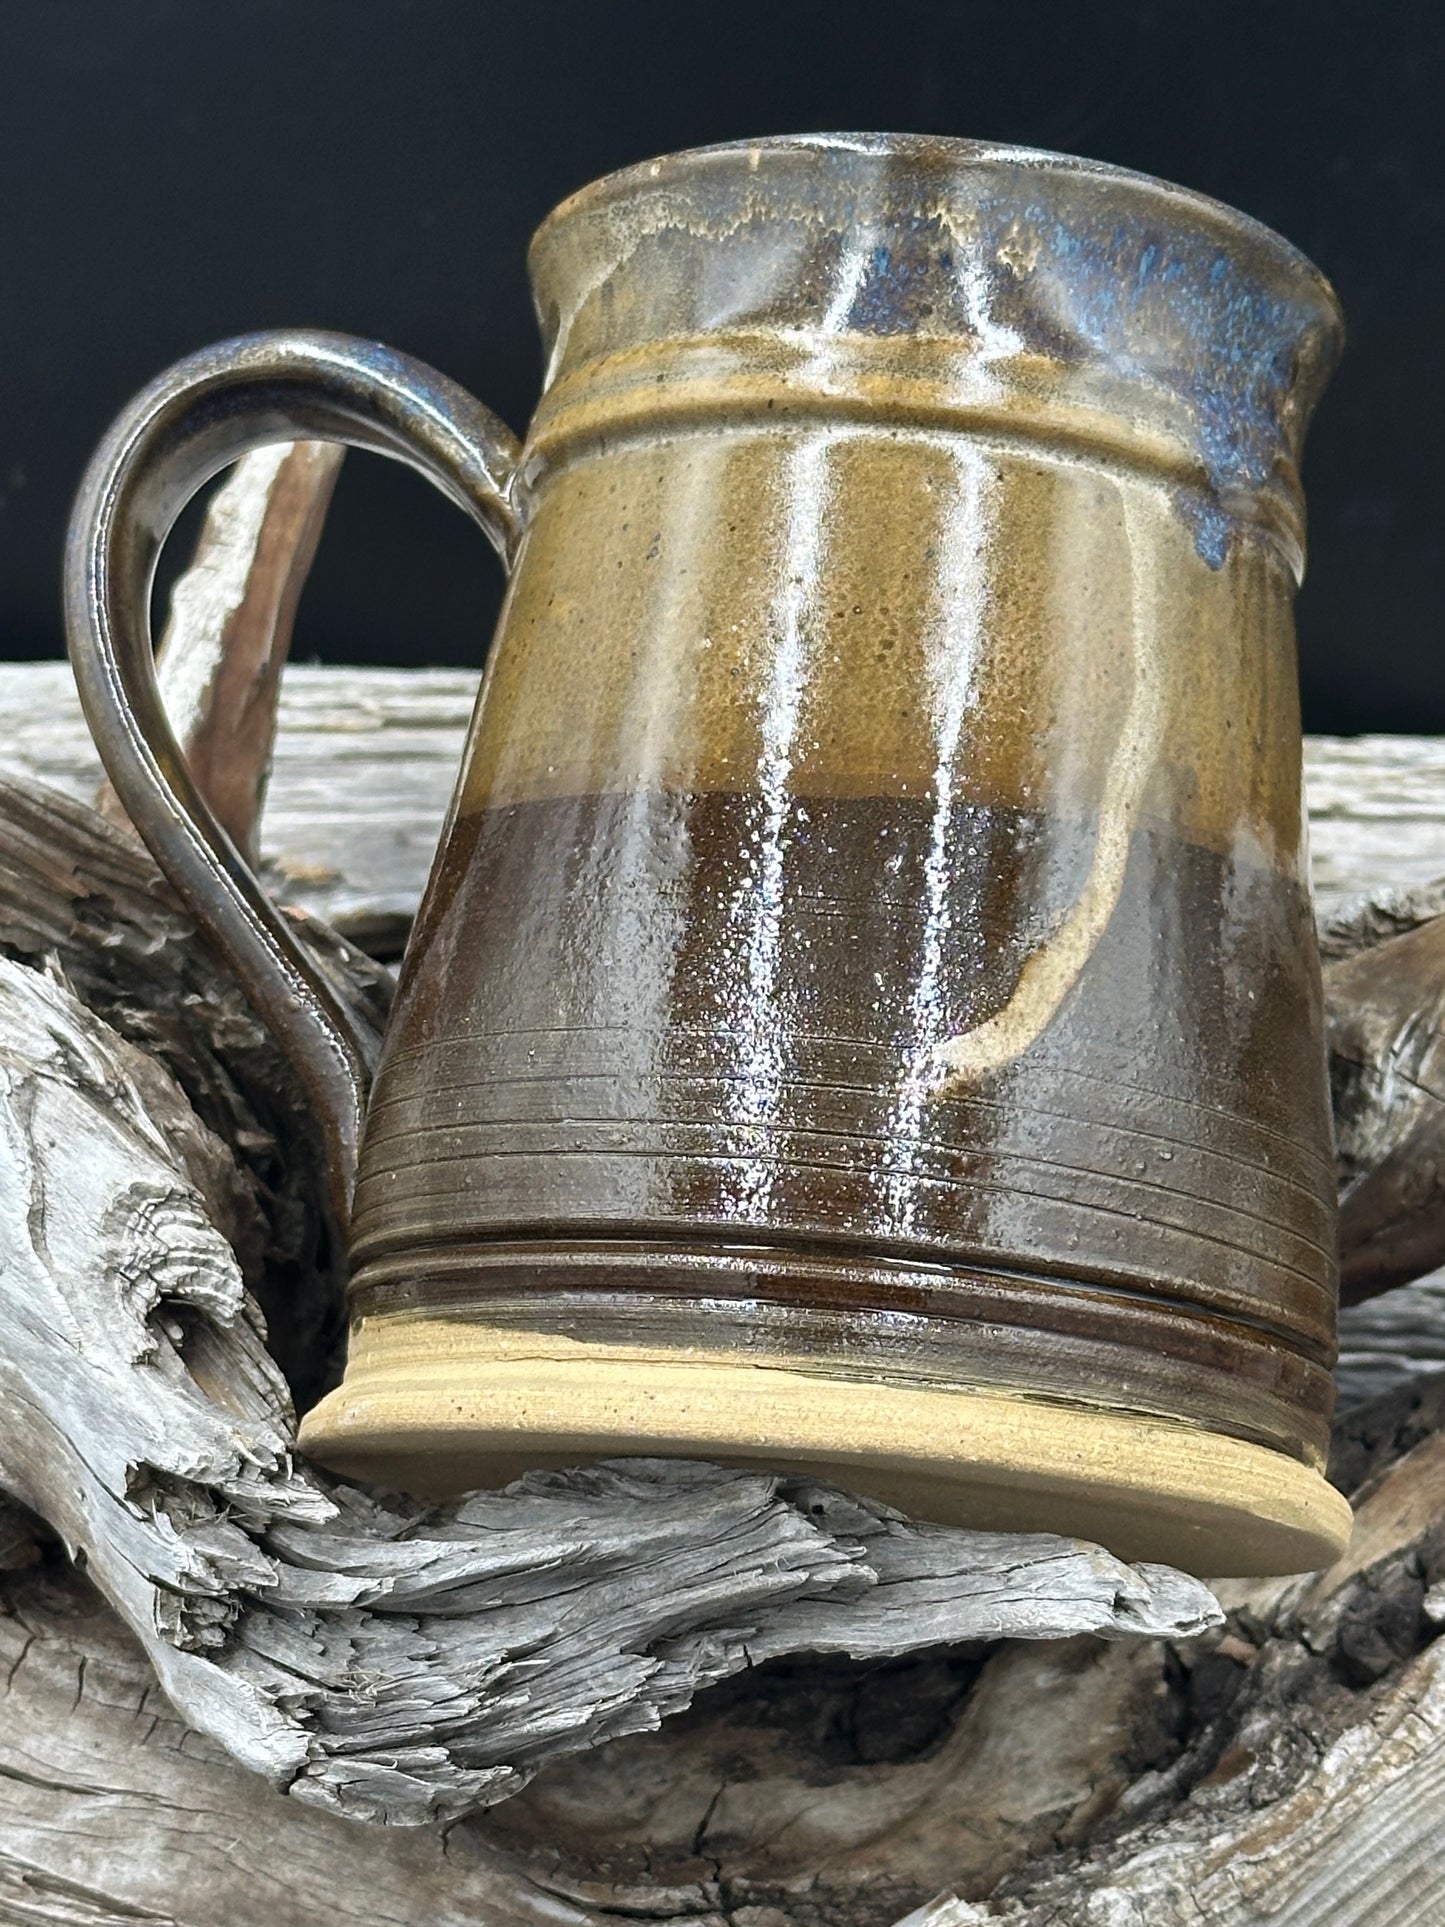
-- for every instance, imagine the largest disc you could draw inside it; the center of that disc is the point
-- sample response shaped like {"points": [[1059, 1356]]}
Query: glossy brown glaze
{"points": [[643, 1014], [876, 889], [872, 937]]}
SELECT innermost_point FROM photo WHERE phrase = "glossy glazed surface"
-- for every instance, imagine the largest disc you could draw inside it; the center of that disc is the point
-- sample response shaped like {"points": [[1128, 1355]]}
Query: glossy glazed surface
{"points": [[881, 834], [865, 1012]]}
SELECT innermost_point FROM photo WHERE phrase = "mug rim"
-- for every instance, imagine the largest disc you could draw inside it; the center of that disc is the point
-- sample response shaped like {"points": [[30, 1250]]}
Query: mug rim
{"points": [[663, 169]]}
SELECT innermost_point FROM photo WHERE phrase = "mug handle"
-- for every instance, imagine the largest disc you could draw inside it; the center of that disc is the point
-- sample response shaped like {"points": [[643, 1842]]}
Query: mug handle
{"points": [[201, 415]]}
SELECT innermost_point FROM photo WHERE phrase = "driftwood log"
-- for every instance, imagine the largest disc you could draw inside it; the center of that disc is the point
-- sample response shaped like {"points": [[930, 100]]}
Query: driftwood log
{"points": [[645, 1691]]}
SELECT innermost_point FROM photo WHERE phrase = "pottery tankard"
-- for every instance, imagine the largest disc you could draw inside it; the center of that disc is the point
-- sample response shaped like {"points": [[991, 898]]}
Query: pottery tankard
{"points": [[864, 1016]]}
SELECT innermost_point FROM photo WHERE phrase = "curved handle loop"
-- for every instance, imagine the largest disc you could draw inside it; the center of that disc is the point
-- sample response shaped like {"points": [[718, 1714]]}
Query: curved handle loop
{"points": [[202, 414]]}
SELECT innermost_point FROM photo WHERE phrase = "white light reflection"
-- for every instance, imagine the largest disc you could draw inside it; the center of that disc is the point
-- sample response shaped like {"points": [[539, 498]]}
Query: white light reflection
{"points": [[757, 904], [951, 650], [648, 867], [997, 340]]}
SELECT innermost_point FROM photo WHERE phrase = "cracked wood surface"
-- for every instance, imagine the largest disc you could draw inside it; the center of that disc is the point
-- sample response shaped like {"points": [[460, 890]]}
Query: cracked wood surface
{"points": [[872, 1734], [113, 1810], [365, 761], [364, 765], [1325, 1804], [821, 1794], [386, 1659]]}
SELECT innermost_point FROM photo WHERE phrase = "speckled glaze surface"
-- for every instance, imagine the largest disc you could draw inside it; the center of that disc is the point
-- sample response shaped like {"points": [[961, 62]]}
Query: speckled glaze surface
{"points": [[866, 999]]}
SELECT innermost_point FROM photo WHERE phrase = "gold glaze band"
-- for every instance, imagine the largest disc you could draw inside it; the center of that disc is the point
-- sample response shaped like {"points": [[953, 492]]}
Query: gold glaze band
{"points": [[764, 381], [444, 1406]]}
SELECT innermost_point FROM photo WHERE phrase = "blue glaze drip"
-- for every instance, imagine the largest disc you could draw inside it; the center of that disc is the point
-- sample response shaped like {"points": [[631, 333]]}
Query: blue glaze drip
{"points": [[1187, 319], [1159, 303]]}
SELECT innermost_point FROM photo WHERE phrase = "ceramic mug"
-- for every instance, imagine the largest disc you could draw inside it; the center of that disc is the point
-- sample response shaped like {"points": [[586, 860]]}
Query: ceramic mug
{"points": [[864, 1015]]}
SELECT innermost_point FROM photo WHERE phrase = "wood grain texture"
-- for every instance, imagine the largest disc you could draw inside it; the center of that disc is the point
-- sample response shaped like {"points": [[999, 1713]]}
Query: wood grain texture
{"points": [[365, 762], [1323, 1802], [229, 632], [1391, 1340], [364, 766], [304, 1624], [113, 1810], [1370, 1809], [1284, 1767]]}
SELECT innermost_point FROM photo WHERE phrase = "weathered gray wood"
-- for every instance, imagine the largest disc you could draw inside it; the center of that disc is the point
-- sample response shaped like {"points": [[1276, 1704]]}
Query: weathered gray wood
{"points": [[1385, 1018], [1390, 1340], [1356, 1843], [1239, 1773], [384, 1659], [103, 1791], [220, 659], [1377, 815], [115, 1813], [366, 758], [387, 1661], [1320, 1801], [82, 897], [364, 766]]}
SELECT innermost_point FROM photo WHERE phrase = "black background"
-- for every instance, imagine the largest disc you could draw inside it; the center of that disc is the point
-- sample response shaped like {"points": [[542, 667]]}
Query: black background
{"points": [[175, 171]]}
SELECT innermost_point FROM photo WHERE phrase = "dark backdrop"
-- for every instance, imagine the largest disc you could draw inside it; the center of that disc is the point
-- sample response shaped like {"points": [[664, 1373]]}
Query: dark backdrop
{"points": [[179, 170]]}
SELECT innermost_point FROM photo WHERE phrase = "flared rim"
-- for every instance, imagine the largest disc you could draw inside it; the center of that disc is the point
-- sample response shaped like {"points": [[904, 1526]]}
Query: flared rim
{"points": [[665, 169]]}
